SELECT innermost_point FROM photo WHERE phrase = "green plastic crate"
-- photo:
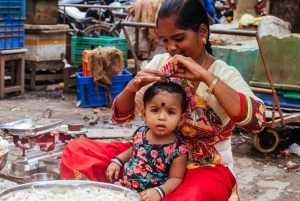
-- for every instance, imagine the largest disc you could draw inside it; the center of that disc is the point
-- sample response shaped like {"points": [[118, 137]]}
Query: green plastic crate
{"points": [[79, 44]]}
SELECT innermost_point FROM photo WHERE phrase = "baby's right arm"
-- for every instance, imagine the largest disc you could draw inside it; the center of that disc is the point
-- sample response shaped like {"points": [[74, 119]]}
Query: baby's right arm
{"points": [[114, 167]]}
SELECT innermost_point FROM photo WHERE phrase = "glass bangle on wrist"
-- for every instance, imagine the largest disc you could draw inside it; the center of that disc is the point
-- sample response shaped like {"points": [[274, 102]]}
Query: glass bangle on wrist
{"points": [[160, 191], [118, 161]]}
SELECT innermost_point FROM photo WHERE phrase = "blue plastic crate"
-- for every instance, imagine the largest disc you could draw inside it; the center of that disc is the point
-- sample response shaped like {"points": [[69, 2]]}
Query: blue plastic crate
{"points": [[11, 34], [79, 44], [12, 9], [286, 98], [91, 95]]}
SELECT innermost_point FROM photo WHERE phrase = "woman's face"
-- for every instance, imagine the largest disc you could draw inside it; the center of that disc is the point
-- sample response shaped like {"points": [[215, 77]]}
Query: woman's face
{"points": [[179, 41]]}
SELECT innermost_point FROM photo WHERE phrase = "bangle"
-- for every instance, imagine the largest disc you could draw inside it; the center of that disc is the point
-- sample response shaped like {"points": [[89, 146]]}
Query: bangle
{"points": [[116, 161], [211, 88], [116, 157], [160, 191]]}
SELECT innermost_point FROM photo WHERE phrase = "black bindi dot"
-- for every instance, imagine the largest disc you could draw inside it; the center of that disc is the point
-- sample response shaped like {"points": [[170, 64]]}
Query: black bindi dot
{"points": [[163, 104]]}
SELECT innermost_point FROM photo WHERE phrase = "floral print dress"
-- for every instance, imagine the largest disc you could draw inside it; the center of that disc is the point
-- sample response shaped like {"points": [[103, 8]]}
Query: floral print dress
{"points": [[150, 163]]}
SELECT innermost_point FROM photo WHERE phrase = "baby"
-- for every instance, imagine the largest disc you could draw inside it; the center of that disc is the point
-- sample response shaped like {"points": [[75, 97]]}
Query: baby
{"points": [[155, 164]]}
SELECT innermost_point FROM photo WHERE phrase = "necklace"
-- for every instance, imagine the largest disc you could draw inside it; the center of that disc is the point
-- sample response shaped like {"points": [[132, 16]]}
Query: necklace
{"points": [[204, 59]]}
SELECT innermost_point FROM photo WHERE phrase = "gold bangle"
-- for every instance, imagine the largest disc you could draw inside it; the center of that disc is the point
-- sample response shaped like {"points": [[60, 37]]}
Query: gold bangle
{"points": [[211, 88]]}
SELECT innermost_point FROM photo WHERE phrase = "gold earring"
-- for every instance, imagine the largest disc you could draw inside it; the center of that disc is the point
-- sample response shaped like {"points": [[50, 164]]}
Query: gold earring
{"points": [[204, 41]]}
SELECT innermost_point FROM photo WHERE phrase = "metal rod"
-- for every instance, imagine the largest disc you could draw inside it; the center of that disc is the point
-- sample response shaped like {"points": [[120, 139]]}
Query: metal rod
{"points": [[261, 90], [99, 30], [137, 65], [275, 97], [64, 15], [139, 24], [234, 32], [94, 6]]}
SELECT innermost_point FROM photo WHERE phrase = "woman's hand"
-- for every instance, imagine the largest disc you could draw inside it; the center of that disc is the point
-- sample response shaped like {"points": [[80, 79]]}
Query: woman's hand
{"points": [[112, 170], [186, 67], [144, 77], [150, 195]]}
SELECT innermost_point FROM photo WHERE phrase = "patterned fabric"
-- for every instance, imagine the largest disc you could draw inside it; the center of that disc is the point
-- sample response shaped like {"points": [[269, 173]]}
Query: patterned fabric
{"points": [[203, 127], [121, 118], [150, 163]]}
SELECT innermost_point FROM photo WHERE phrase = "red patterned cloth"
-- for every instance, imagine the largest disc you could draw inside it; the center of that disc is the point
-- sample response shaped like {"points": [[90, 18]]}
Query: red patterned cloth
{"points": [[85, 159]]}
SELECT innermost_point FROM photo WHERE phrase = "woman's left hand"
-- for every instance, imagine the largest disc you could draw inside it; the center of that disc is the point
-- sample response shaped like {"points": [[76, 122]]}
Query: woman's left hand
{"points": [[186, 67]]}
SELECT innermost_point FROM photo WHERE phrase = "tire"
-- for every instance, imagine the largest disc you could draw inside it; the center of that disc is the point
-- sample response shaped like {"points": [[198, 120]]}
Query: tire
{"points": [[266, 141], [105, 30]]}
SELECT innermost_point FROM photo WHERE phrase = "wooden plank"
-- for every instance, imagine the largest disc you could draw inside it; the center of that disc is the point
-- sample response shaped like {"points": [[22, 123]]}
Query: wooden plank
{"points": [[269, 114], [58, 76], [12, 89], [13, 179], [110, 133]]}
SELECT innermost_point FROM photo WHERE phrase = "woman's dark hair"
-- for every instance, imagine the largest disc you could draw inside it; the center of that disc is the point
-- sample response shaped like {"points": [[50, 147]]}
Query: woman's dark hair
{"points": [[188, 14], [170, 87]]}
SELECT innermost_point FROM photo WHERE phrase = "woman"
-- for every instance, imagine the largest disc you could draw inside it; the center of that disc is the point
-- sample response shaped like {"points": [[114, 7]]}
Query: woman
{"points": [[219, 99]]}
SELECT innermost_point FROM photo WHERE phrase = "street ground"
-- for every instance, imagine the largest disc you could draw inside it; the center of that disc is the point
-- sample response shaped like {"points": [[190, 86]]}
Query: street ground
{"points": [[260, 176]]}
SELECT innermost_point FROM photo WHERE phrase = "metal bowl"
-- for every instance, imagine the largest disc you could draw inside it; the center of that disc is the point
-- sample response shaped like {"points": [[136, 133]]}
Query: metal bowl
{"points": [[3, 159], [43, 177], [63, 185]]}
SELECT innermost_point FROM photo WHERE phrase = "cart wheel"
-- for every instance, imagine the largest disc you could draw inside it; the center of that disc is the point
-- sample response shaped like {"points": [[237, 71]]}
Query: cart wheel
{"points": [[106, 30], [266, 141]]}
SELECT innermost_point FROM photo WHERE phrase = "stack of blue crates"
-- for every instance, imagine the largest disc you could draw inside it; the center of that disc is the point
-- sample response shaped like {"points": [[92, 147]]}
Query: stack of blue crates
{"points": [[91, 95], [12, 17]]}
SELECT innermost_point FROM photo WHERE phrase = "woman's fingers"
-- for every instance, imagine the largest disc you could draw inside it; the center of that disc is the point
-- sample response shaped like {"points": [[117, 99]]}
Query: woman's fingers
{"points": [[147, 76]]}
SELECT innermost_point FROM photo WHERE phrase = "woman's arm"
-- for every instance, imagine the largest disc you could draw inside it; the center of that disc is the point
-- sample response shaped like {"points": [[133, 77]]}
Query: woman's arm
{"points": [[226, 96], [176, 174]]}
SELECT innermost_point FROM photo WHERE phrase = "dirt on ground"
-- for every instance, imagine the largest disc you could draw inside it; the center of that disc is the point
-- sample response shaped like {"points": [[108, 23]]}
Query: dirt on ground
{"points": [[260, 176]]}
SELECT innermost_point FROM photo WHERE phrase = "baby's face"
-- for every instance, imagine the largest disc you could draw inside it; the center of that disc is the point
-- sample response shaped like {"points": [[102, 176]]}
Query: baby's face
{"points": [[163, 113]]}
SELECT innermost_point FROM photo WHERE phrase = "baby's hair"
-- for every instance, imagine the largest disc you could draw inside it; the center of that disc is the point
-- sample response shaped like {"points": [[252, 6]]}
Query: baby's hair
{"points": [[170, 87]]}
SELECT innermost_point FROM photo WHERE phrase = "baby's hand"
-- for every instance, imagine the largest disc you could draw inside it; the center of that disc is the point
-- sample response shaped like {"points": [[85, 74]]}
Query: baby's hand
{"points": [[112, 169], [150, 195]]}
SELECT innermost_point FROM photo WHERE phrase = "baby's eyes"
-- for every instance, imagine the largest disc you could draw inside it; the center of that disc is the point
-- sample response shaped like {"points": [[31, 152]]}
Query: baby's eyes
{"points": [[171, 112], [154, 110]]}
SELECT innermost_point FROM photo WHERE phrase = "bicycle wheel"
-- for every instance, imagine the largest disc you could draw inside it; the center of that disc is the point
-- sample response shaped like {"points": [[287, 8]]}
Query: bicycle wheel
{"points": [[105, 30]]}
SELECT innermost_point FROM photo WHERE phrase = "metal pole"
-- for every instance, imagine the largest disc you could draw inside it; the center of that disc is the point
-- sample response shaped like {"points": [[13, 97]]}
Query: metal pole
{"points": [[64, 15], [137, 65], [94, 6], [275, 97]]}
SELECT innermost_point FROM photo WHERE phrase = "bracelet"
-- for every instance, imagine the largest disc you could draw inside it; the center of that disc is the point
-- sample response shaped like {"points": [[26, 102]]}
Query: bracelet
{"points": [[116, 157], [211, 88], [160, 191], [116, 161]]}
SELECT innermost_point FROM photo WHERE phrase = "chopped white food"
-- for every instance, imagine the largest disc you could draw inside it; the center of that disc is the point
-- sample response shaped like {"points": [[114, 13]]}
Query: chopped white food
{"points": [[79, 194]]}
